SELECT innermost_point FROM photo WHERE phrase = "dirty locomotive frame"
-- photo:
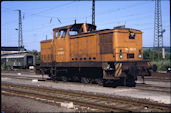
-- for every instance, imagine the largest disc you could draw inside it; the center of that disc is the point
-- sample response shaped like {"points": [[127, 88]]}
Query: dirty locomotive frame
{"points": [[81, 53]]}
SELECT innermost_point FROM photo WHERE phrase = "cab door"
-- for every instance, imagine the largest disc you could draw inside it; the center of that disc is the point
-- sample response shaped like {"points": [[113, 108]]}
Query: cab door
{"points": [[59, 45]]}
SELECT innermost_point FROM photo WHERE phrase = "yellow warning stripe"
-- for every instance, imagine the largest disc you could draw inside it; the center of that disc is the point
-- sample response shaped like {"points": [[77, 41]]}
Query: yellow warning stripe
{"points": [[116, 72], [116, 66], [118, 69], [149, 63]]}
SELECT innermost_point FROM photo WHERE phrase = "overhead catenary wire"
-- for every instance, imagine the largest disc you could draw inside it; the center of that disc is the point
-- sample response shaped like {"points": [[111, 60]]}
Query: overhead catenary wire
{"points": [[147, 28], [27, 43], [69, 20], [130, 19], [115, 10], [62, 5], [65, 21], [44, 26], [50, 9], [98, 14]]}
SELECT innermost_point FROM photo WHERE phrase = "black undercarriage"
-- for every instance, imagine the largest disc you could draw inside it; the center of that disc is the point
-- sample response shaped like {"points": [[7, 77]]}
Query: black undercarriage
{"points": [[102, 73]]}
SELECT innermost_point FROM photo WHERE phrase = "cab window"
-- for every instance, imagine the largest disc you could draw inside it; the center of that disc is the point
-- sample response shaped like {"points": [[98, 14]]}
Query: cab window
{"points": [[56, 34], [91, 28], [62, 33], [75, 29], [73, 32]]}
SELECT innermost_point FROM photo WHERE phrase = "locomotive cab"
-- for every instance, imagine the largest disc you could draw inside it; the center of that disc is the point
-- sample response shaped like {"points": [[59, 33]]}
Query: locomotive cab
{"points": [[74, 29]]}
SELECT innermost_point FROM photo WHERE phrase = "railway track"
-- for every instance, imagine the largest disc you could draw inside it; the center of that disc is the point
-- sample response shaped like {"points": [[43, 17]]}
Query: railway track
{"points": [[100, 102], [146, 87], [153, 88], [25, 77], [146, 78], [160, 79]]}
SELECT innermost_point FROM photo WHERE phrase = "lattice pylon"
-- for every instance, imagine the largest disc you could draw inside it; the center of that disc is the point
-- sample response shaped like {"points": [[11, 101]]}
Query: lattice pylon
{"points": [[158, 34], [158, 37], [20, 34], [93, 12]]}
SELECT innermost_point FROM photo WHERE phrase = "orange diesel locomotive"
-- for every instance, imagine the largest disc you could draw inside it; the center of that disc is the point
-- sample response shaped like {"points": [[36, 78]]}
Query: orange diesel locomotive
{"points": [[79, 52]]}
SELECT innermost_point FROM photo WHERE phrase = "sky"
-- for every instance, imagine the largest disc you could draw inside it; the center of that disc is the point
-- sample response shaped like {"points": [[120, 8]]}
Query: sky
{"points": [[40, 17]]}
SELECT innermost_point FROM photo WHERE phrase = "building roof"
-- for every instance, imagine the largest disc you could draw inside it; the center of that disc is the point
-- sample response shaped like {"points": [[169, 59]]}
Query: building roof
{"points": [[10, 48], [21, 55]]}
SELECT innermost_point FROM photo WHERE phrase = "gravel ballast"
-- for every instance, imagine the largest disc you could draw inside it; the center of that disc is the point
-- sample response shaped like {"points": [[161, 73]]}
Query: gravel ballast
{"points": [[14, 104], [125, 91]]}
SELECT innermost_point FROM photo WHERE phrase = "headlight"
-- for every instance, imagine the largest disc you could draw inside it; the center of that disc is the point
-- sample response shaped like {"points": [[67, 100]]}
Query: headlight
{"points": [[120, 56], [139, 56]]}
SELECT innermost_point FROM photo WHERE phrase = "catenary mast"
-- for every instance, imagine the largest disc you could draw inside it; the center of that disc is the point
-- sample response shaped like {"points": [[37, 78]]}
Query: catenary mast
{"points": [[158, 31], [20, 34]]}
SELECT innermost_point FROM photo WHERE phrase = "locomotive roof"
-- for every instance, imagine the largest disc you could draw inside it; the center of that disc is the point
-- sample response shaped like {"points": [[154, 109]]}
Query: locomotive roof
{"points": [[80, 24], [108, 30], [126, 29], [68, 26]]}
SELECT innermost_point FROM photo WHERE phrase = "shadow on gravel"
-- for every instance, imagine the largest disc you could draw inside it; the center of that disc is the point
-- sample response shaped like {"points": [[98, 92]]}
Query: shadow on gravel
{"points": [[44, 79], [112, 84], [41, 80], [117, 84]]}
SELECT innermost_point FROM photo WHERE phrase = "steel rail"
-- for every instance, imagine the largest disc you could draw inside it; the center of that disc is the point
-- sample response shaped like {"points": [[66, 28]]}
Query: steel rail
{"points": [[148, 87], [157, 78], [61, 98], [152, 86], [96, 101]]}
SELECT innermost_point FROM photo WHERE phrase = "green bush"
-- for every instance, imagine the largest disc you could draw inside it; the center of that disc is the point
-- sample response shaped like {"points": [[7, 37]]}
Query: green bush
{"points": [[2, 66], [162, 65], [6, 67], [153, 55]]}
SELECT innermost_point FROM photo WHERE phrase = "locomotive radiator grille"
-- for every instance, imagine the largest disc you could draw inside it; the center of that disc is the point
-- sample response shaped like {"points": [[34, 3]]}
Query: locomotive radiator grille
{"points": [[106, 43]]}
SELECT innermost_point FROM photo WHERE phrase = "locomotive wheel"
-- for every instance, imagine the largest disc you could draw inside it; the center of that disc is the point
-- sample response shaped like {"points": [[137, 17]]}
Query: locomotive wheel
{"points": [[105, 83], [123, 81], [130, 80], [91, 81], [131, 83], [53, 78], [99, 82], [84, 80], [64, 78], [76, 78], [148, 72]]}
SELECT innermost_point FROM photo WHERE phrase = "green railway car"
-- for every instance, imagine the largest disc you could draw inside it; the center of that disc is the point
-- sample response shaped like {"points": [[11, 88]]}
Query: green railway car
{"points": [[18, 60]]}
